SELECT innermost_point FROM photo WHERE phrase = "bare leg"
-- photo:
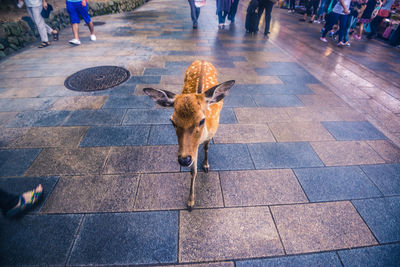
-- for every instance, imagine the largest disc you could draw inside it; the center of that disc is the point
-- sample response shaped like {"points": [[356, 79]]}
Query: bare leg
{"points": [[206, 166], [91, 27], [75, 30], [193, 172]]}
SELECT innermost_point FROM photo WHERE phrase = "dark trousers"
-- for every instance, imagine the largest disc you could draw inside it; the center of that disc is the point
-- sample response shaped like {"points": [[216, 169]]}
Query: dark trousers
{"points": [[331, 20], [232, 12], [194, 11], [267, 5], [312, 7], [222, 16], [7, 201], [292, 4], [374, 24]]}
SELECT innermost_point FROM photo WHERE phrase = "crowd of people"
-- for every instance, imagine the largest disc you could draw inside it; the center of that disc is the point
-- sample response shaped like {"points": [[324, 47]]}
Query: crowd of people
{"points": [[342, 17]]}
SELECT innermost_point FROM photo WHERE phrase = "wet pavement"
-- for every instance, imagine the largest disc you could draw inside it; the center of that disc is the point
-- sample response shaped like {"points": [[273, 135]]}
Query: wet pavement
{"points": [[304, 167]]}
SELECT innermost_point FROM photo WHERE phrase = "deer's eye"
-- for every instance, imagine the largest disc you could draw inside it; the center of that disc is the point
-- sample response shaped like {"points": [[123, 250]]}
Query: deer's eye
{"points": [[201, 122], [173, 123]]}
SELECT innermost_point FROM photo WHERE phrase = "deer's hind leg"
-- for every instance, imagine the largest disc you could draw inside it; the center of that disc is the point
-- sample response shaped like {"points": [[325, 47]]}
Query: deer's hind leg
{"points": [[206, 166]]}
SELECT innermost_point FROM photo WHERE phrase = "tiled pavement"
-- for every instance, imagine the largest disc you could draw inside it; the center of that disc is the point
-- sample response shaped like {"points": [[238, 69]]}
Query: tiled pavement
{"points": [[305, 170]]}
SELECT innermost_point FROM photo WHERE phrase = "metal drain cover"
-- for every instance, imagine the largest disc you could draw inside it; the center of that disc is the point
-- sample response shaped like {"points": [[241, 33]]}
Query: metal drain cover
{"points": [[97, 78]]}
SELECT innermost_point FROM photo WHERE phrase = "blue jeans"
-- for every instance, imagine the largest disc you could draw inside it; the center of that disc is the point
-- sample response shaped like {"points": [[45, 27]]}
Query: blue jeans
{"points": [[321, 9], [232, 12], [332, 19], [194, 11]]}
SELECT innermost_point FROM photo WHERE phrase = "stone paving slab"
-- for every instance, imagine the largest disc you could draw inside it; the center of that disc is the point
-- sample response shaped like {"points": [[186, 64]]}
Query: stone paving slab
{"points": [[387, 255], [387, 150], [321, 227], [337, 153], [385, 177], [283, 155], [382, 216], [336, 183], [79, 102], [65, 161], [243, 188], [95, 117], [51, 237], [44, 137], [171, 191], [89, 194], [250, 232], [320, 259], [142, 159], [123, 238], [346, 130], [299, 131], [39, 119], [15, 162], [243, 133], [116, 136]]}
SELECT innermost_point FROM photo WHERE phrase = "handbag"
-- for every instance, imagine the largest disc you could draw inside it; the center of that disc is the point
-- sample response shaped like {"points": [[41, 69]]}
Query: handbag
{"points": [[383, 13], [199, 3], [46, 12]]}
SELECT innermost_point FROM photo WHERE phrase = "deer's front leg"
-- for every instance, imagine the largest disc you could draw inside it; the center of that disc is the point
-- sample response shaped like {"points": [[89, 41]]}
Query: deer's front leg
{"points": [[206, 166], [193, 172]]}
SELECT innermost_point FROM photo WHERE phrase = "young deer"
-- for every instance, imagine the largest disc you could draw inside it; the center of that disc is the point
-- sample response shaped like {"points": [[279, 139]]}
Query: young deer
{"points": [[196, 114]]}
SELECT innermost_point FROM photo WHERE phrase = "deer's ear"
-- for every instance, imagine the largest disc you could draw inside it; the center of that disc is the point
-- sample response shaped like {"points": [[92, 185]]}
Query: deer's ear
{"points": [[162, 97], [218, 92]]}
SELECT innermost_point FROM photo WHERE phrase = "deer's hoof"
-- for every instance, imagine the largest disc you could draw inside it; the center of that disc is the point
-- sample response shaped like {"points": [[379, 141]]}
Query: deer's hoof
{"points": [[190, 205], [206, 168]]}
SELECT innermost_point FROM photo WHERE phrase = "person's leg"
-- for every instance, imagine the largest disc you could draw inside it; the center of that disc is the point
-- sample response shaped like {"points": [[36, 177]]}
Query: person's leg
{"points": [[7, 200], [84, 13], [193, 11], [268, 10], [292, 5], [75, 20], [330, 21], [347, 30], [343, 25], [220, 18], [39, 21], [232, 12], [75, 30], [321, 9]]}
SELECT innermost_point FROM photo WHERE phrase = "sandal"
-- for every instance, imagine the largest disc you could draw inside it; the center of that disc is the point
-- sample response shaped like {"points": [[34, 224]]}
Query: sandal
{"points": [[55, 36], [44, 44], [23, 206]]}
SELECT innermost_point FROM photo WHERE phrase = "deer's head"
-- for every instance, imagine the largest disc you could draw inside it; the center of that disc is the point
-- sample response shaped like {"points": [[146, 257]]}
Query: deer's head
{"points": [[189, 118]]}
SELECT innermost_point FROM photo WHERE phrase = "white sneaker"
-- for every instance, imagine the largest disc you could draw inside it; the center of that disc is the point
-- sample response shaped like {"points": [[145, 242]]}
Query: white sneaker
{"points": [[93, 37], [75, 41], [323, 39]]}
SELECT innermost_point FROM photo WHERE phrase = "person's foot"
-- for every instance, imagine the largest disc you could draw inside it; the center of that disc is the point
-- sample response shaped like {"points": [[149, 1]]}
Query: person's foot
{"points": [[93, 37], [194, 25], [356, 36], [347, 44], [317, 21], [55, 35], [26, 201], [323, 39], [75, 41], [340, 44]]}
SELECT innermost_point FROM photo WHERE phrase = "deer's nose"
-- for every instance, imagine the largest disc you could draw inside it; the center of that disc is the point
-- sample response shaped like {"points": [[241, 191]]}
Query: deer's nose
{"points": [[185, 161]]}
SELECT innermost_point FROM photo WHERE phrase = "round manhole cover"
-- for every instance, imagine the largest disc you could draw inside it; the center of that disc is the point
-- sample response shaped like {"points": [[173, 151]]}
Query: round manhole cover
{"points": [[97, 78]]}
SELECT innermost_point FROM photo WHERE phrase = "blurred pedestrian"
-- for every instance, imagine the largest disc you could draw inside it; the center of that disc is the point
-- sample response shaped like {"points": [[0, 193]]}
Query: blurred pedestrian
{"points": [[77, 9], [366, 17], [232, 12], [311, 10], [223, 8], [383, 13], [194, 13], [267, 6], [34, 8], [339, 13]]}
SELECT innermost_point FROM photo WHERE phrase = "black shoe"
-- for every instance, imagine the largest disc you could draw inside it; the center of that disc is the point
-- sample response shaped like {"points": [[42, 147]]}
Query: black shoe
{"points": [[194, 25]]}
